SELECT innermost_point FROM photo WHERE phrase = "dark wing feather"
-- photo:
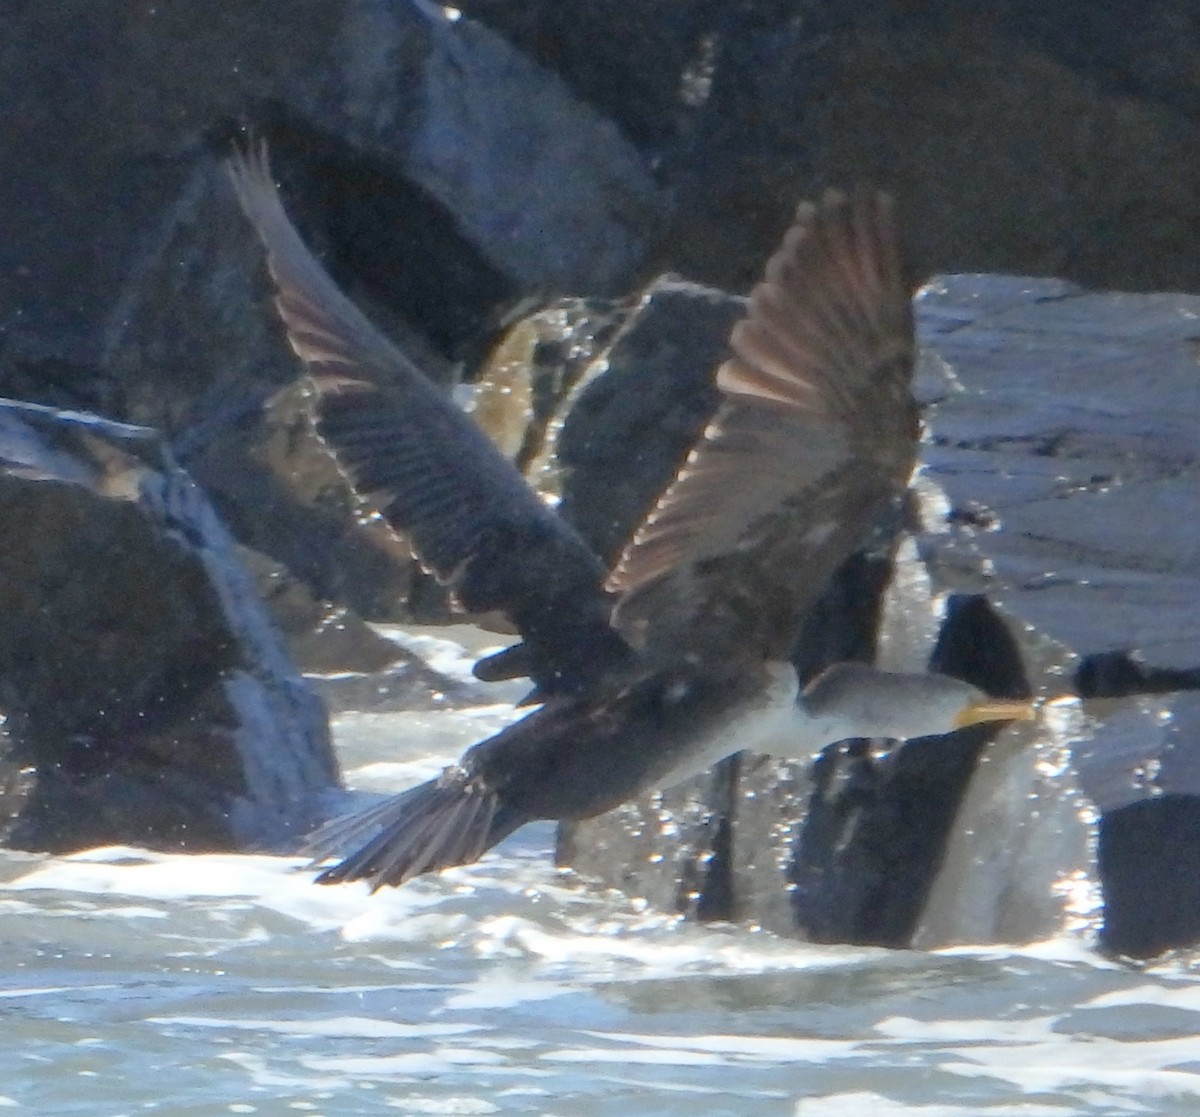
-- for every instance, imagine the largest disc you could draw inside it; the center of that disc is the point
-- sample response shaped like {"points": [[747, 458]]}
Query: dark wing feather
{"points": [[815, 434], [424, 466]]}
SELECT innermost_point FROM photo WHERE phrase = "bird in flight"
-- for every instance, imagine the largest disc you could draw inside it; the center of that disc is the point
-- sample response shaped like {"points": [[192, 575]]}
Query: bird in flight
{"points": [[677, 656]]}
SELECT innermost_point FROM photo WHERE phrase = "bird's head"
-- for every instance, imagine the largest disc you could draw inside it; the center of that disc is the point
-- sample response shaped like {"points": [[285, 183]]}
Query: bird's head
{"points": [[857, 700]]}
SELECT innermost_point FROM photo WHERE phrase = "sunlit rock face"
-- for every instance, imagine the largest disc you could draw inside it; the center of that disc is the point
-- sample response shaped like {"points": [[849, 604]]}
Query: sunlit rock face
{"points": [[1066, 446], [148, 698]]}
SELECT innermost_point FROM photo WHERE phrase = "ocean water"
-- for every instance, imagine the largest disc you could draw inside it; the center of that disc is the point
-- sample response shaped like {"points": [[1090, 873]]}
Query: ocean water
{"points": [[137, 982]]}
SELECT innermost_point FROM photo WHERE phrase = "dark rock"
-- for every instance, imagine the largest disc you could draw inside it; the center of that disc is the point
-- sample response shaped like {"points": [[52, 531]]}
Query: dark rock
{"points": [[321, 637], [640, 84], [1140, 766], [671, 849], [627, 430], [524, 384], [875, 831], [281, 494], [148, 699], [117, 104], [444, 175], [1064, 459], [1036, 139]]}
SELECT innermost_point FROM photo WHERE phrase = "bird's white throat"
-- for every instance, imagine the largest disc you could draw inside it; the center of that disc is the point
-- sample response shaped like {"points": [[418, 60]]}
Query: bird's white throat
{"points": [[773, 723]]}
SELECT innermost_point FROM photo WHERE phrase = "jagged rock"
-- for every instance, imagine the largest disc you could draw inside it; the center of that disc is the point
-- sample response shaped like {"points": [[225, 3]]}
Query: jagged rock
{"points": [[148, 699], [524, 384], [1058, 499], [281, 495]]}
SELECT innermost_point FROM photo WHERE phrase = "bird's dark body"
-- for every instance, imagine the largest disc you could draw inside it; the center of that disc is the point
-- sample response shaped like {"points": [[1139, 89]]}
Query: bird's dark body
{"points": [[579, 757], [573, 758]]}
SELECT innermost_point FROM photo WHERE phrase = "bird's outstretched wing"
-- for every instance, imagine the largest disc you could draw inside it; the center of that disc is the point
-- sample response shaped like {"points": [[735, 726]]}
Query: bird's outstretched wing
{"points": [[425, 467], [815, 434]]}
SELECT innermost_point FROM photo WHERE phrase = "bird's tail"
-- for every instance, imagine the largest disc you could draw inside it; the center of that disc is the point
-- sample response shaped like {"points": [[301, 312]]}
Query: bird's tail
{"points": [[447, 821]]}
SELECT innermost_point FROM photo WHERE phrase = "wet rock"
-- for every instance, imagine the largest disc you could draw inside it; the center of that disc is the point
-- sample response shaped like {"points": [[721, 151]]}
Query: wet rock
{"points": [[148, 699], [524, 385], [644, 404], [1140, 765], [444, 175], [1055, 540]]}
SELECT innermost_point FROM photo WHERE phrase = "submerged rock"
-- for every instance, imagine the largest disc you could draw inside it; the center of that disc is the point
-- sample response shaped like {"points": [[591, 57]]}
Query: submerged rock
{"points": [[147, 697]]}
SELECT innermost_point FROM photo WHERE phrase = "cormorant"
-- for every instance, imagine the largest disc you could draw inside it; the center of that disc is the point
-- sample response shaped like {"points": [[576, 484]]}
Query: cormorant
{"points": [[678, 656]]}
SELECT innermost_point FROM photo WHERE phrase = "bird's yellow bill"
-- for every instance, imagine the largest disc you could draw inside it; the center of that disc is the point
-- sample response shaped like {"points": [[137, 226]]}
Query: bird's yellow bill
{"points": [[996, 709]]}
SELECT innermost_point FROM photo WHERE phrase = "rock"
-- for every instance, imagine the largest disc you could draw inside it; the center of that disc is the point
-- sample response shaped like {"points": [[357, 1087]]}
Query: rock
{"points": [[630, 424], [1025, 138], [282, 496], [1076, 438], [321, 637], [445, 168], [524, 384], [443, 131], [147, 696], [1057, 496]]}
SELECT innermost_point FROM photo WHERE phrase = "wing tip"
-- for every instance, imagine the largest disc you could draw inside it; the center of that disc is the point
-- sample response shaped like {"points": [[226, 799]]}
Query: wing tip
{"points": [[440, 824], [248, 168]]}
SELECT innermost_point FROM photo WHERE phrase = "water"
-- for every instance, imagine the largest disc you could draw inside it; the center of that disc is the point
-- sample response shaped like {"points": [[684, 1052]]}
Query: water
{"points": [[137, 982]]}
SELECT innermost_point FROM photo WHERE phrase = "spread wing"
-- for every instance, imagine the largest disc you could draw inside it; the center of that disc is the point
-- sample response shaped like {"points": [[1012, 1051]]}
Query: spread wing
{"points": [[816, 433], [424, 466]]}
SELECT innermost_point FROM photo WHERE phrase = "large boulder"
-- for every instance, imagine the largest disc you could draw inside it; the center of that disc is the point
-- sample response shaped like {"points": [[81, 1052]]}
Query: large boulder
{"points": [[147, 696]]}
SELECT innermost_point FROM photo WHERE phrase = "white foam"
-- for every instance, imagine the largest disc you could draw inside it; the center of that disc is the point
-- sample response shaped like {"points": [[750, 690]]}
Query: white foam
{"points": [[267, 1077], [1071, 1064], [876, 1105], [391, 751], [677, 1057], [1071, 948], [731, 1047], [1181, 996], [336, 1027], [498, 991], [441, 1060], [452, 1106], [452, 650], [273, 883], [908, 1030], [657, 945]]}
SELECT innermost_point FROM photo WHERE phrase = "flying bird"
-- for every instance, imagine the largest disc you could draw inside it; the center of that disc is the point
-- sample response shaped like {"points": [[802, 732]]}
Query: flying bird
{"points": [[677, 656]]}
